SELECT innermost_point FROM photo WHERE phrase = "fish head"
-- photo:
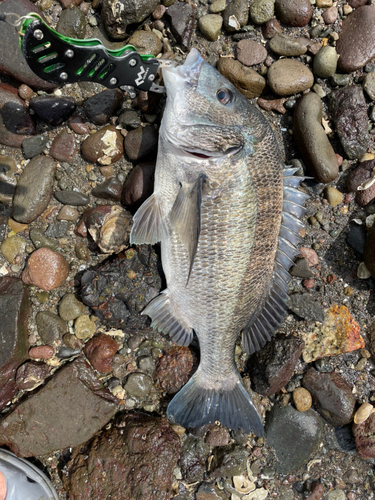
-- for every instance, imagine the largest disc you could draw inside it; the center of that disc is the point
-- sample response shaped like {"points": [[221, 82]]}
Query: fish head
{"points": [[205, 115]]}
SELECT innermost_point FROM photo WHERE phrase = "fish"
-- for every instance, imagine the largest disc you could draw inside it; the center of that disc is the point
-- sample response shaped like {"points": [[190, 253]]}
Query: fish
{"points": [[227, 216]]}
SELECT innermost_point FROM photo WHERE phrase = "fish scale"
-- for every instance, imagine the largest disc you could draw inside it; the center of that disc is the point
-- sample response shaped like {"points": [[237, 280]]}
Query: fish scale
{"points": [[226, 215]]}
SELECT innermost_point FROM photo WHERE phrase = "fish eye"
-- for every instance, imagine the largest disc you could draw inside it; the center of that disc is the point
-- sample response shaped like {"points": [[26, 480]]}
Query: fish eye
{"points": [[225, 96]]}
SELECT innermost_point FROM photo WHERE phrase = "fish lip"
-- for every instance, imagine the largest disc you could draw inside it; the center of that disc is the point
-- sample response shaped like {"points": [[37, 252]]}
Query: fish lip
{"points": [[202, 155], [188, 72]]}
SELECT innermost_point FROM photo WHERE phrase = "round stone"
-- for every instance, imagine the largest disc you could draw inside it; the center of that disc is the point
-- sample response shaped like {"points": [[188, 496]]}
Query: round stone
{"points": [[146, 42], [41, 352], [325, 62], [302, 399], [250, 53], [284, 46], [262, 11], [68, 213], [330, 15], [11, 247], [70, 307], [293, 12], [138, 385], [100, 351], [45, 269], [246, 80], [84, 328], [64, 147], [210, 26], [288, 76], [104, 146]]}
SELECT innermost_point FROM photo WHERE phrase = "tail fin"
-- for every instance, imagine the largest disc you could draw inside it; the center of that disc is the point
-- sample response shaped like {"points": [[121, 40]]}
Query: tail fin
{"points": [[195, 405]]}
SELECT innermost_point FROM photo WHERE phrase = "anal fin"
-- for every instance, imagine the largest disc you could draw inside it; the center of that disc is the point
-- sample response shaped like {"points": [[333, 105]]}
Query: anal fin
{"points": [[159, 310], [148, 223]]}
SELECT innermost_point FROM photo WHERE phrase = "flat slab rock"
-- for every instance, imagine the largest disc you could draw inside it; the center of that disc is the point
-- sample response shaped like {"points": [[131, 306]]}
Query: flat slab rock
{"points": [[137, 455], [66, 412]]}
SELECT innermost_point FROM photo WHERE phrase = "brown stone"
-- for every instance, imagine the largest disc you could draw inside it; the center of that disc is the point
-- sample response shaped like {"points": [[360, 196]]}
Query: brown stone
{"points": [[104, 147], [246, 80], [358, 177], [364, 435], [64, 147], [45, 269], [174, 368], [293, 12], [77, 124], [250, 53], [139, 185], [271, 28], [41, 352], [100, 351], [288, 76], [31, 374]]}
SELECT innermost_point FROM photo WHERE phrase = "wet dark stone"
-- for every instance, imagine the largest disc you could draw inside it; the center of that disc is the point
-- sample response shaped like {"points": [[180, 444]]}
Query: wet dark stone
{"points": [[332, 396], [72, 23], [40, 240], [31, 374], [17, 119], [137, 455], [66, 412], [73, 198], [305, 307], [293, 12], [58, 229], [127, 12], [53, 110], [193, 458], [369, 251], [100, 351], [110, 189], [302, 269], [138, 186], [50, 327], [271, 368], [141, 142], [129, 119], [118, 298], [364, 435], [64, 147], [7, 138], [340, 439], [228, 461], [14, 312], [34, 146], [294, 435], [100, 107], [349, 113], [181, 16], [238, 9], [174, 368], [359, 176], [357, 238]]}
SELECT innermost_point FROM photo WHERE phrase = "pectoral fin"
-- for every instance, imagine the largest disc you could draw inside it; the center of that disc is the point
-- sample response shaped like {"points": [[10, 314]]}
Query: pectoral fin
{"points": [[185, 216], [148, 223]]}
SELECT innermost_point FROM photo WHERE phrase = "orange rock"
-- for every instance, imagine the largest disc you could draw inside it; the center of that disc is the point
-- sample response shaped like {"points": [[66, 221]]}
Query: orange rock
{"points": [[339, 334], [45, 269]]}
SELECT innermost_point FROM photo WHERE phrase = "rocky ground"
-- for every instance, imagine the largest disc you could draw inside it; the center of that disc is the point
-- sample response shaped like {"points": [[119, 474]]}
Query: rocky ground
{"points": [[84, 380]]}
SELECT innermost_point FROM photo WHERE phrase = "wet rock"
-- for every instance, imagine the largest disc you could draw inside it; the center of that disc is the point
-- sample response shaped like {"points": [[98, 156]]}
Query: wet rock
{"points": [[194, 453], [332, 396], [117, 16], [141, 142], [285, 46], [30, 375], [369, 85], [40, 240], [325, 62], [302, 269], [146, 42], [34, 146], [302, 399], [34, 189], [12, 61], [45, 269], [53, 110], [72, 23], [8, 180], [228, 461], [262, 11], [310, 255], [313, 144], [364, 435], [250, 53], [138, 385], [293, 12], [360, 178], [235, 15], [110, 189], [77, 124], [271, 368], [68, 213], [11, 247], [339, 334], [271, 29], [14, 312], [64, 147], [70, 307], [295, 436], [100, 351], [210, 26], [217, 436], [129, 119], [118, 301], [369, 251], [138, 186], [74, 198], [85, 329], [349, 112], [181, 16], [246, 80], [7, 138], [305, 307], [100, 107], [210, 491], [50, 327], [357, 238], [16, 119], [288, 76], [333, 196], [174, 368], [38, 425], [58, 229], [41, 352], [359, 26], [104, 146], [137, 454], [330, 15]]}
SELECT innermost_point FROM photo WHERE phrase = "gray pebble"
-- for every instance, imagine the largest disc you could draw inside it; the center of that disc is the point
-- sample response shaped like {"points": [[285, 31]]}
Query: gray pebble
{"points": [[210, 26], [325, 62], [340, 80], [40, 240], [138, 385], [50, 327], [70, 307], [33, 146], [73, 198], [369, 85], [58, 229]]}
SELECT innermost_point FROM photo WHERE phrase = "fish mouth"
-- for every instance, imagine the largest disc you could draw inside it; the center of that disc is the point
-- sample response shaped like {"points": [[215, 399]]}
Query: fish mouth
{"points": [[204, 155], [175, 77]]}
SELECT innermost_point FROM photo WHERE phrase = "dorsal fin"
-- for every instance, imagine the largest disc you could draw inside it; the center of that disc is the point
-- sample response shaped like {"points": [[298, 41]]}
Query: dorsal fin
{"points": [[270, 315]]}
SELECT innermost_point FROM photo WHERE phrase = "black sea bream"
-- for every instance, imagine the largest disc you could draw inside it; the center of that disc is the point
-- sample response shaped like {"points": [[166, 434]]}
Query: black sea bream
{"points": [[226, 215]]}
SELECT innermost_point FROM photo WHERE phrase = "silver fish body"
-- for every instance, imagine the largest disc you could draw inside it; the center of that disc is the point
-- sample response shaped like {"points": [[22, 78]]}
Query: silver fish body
{"points": [[217, 210]]}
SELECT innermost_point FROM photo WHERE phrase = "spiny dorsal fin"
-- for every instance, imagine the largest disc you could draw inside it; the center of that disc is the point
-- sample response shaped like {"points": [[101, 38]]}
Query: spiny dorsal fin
{"points": [[185, 216]]}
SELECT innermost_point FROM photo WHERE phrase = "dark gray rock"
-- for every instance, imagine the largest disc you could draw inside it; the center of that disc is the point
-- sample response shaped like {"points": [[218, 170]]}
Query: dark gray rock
{"points": [[141, 142], [305, 307], [138, 385], [138, 186], [34, 189], [58, 229], [349, 113], [66, 412], [73, 198], [228, 461], [236, 15], [17, 119], [293, 12], [50, 327], [110, 189], [357, 238], [72, 23], [53, 110], [34, 146], [40, 240], [181, 16], [302, 269], [294, 435], [117, 17], [332, 396], [194, 454], [129, 119], [271, 368], [100, 107]]}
